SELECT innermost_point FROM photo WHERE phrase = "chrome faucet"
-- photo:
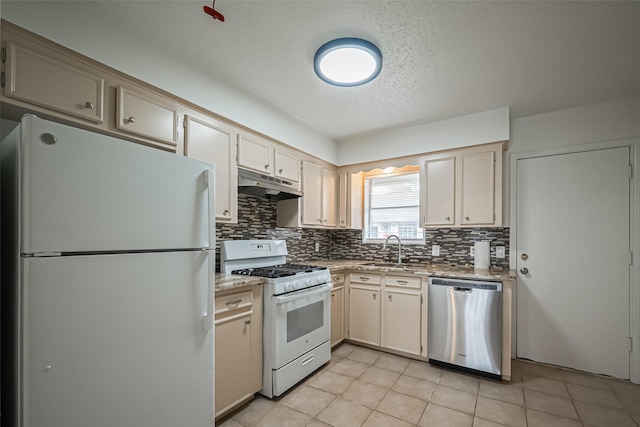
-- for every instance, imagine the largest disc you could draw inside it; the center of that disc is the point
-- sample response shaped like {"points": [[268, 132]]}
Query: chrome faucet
{"points": [[384, 247]]}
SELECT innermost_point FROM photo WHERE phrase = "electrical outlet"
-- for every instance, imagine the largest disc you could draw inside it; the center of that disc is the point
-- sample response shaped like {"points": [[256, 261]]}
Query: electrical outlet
{"points": [[435, 250], [472, 251], [317, 246], [500, 252]]}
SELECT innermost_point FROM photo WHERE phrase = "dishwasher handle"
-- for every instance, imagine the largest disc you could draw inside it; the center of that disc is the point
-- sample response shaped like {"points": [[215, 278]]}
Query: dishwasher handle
{"points": [[461, 289]]}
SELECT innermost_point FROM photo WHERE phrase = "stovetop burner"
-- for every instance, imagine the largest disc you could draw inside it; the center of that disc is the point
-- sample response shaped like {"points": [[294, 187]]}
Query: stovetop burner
{"points": [[280, 270]]}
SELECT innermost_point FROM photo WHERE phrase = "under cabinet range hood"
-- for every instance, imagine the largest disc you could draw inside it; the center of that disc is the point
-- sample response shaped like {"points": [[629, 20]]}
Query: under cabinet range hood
{"points": [[265, 186]]}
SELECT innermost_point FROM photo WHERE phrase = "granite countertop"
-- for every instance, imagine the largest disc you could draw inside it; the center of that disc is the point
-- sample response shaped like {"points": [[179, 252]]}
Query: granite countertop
{"points": [[463, 272], [231, 281]]}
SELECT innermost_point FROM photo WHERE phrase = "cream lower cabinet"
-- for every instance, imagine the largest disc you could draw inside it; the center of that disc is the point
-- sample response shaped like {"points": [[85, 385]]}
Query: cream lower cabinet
{"points": [[238, 352], [364, 308], [213, 141], [401, 321], [337, 309]]}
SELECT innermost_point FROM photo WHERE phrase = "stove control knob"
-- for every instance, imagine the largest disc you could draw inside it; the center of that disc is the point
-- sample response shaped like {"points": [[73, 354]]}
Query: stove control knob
{"points": [[308, 282], [296, 285], [326, 279], [288, 287]]}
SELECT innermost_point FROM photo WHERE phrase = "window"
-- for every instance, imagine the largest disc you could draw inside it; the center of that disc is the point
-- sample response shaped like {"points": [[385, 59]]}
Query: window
{"points": [[392, 206]]}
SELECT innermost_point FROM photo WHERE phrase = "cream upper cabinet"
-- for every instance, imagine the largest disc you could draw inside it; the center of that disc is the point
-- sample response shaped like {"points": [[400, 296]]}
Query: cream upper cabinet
{"points": [[213, 141], [350, 200], [286, 166], [319, 200], [439, 182], [462, 188], [402, 314], [61, 84], [477, 190], [142, 113], [255, 153]]}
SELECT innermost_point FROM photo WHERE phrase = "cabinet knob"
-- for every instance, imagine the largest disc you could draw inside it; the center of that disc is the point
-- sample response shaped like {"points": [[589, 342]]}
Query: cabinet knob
{"points": [[333, 295], [374, 296], [390, 298], [320, 220], [447, 218], [131, 119], [266, 166], [279, 170], [247, 322], [226, 212], [88, 105], [466, 218]]}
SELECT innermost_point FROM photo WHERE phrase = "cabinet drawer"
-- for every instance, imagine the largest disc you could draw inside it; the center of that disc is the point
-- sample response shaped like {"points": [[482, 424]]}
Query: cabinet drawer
{"points": [[369, 279], [145, 116], [403, 281], [232, 304], [63, 87]]}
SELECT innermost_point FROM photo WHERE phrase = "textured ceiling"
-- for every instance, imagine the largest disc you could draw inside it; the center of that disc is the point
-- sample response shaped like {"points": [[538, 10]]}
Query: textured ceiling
{"points": [[441, 59]]}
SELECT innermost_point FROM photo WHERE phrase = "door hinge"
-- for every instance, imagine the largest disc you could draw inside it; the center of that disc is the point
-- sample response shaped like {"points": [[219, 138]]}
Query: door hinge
{"points": [[421, 349], [630, 171], [3, 79], [630, 257], [420, 299], [184, 122], [4, 55], [630, 344]]}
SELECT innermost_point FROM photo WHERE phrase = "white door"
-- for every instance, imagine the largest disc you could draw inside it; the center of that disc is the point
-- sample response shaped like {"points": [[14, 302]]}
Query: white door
{"points": [[117, 340], [83, 191], [572, 254]]}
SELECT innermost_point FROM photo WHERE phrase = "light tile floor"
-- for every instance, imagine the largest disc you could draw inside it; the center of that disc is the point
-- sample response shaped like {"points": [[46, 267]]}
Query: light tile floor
{"points": [[369, 388]]}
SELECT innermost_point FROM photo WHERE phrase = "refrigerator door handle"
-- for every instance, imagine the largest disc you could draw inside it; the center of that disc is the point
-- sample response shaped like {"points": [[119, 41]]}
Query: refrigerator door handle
{"points": [[208, 319]]}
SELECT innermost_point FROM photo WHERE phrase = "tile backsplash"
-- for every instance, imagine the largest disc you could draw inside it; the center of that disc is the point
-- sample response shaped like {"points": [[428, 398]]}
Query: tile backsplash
{"points": [[257, 220]]}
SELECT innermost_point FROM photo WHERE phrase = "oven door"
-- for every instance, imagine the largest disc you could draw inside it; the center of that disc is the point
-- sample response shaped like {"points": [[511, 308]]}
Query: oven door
{"points": [[302, 322]]}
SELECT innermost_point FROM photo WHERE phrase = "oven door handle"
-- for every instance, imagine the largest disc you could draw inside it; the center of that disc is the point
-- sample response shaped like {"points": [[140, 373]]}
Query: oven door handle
{"points": [[283, 299]]}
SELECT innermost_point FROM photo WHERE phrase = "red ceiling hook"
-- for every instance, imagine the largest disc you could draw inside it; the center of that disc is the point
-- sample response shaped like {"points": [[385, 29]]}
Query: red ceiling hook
{"points": [[214, 13]]}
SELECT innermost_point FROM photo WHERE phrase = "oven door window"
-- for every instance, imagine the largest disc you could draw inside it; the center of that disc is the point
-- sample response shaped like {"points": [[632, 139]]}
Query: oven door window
{"points": [[304, 320]]}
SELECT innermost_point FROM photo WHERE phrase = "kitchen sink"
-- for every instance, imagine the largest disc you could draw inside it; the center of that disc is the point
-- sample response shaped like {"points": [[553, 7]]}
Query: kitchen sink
{"points": [[393, 265]]}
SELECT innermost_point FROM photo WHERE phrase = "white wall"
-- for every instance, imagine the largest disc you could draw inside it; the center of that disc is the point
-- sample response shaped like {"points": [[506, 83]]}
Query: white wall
{"points": [[472, 129], [605, 121], [85, 28]]}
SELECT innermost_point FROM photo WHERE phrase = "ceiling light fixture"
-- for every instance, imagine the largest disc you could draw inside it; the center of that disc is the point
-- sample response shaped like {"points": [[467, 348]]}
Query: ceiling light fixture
{"points": [[348, 62]]}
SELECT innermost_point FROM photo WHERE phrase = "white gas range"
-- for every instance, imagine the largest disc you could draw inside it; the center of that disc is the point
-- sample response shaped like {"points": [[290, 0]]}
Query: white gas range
{"points": [[297, 310]]}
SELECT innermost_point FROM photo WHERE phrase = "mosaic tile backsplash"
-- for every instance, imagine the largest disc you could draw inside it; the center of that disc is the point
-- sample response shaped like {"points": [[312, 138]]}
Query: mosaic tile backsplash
{"points": [[257, 220]]}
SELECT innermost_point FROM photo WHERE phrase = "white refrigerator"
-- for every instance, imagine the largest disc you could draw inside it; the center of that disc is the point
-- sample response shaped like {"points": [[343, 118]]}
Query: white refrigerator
{"points": [[108, 256]]}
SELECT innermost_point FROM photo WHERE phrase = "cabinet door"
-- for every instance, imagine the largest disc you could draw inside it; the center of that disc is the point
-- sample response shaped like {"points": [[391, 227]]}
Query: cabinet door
{"points": [[214, 142], [255, 154], [312, 188], [401, 320], [439, 180], [329, 186], [477, 189], [286, 166], [147, 116], [364, 314], [337, 315], [233, 358], [63, 87]]}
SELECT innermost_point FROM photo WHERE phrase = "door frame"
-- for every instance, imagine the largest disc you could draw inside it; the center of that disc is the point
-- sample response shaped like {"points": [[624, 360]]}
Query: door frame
{"points": [[634, 232]]}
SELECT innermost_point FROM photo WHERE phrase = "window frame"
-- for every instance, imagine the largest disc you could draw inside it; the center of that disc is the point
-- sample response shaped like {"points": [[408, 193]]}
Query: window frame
{"points": [[366, 184]]}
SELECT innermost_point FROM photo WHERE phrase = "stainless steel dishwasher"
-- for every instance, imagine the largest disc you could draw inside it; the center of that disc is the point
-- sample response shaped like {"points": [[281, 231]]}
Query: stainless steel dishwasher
{"points": [[465, 325]]}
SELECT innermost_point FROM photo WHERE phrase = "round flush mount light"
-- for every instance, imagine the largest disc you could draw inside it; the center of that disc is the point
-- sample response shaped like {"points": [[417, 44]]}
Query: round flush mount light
{"points": [[348, 62]]}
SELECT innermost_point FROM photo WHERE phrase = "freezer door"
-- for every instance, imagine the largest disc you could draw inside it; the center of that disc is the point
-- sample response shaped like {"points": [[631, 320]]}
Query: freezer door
{"points": [[117, 340], [83, 191]]}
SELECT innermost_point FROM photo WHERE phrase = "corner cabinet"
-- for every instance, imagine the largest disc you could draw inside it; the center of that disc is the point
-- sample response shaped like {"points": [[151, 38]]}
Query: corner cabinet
{"points": [[462, 188], [238, 351], [213, 141], [350, 200]]}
